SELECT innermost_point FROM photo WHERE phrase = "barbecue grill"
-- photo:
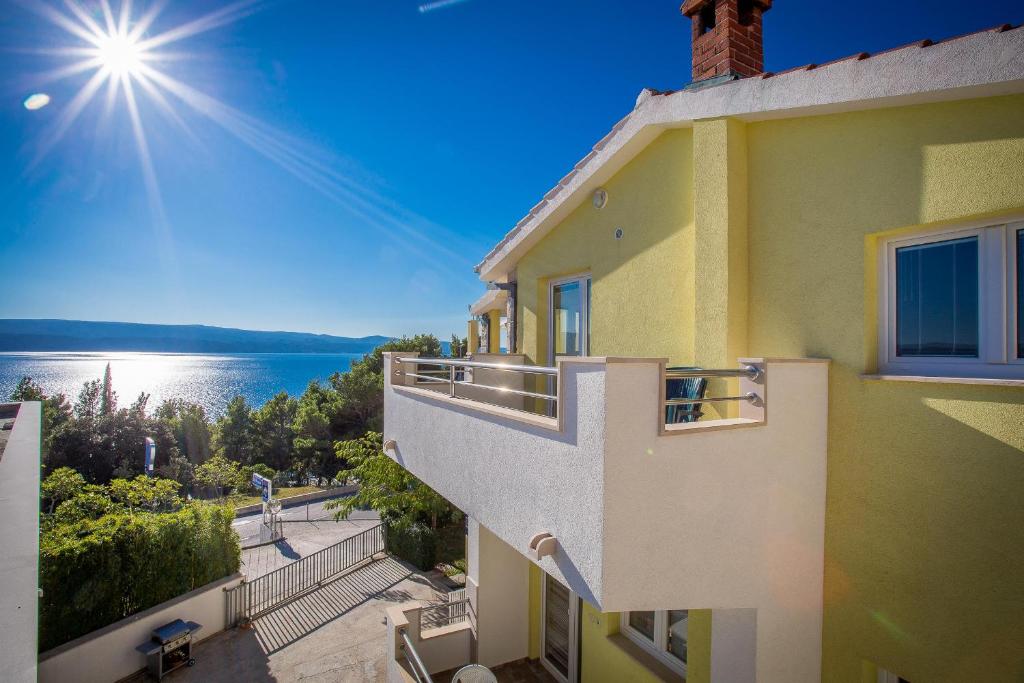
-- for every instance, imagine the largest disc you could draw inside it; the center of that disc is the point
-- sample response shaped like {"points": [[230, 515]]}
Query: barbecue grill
{"points": [[169, 647]]}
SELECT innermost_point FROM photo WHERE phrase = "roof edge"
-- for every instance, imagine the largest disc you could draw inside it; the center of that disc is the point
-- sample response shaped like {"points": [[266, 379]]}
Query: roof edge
{"points": [[989, 63]]}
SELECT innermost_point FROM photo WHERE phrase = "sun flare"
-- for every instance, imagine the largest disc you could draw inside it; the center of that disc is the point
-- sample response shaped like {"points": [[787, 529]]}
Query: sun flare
{"points": [[120, 54]]}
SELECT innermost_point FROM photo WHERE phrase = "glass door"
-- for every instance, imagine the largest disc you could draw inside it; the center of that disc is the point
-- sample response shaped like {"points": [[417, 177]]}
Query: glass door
{"points": [[559, 638], [569, 328]]}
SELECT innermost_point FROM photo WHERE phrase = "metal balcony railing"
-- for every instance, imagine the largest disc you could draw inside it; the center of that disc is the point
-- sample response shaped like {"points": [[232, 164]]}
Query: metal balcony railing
{"points": [[456, 372], [689, 405], [444, 614], [416, 665]]}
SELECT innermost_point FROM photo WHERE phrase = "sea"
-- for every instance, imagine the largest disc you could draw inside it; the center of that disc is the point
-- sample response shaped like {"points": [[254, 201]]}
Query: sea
{"points": [[211, 380]]}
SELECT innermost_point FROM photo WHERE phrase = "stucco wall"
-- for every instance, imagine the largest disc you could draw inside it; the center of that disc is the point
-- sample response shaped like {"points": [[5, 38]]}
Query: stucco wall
{"points": [[651, 199], [109, 653], [515, 478], [925, 525], [19, 538]]}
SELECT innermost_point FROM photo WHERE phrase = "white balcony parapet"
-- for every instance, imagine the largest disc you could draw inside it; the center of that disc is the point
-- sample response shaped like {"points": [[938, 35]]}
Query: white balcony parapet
{"points": [[725, 513], [414, 654]]}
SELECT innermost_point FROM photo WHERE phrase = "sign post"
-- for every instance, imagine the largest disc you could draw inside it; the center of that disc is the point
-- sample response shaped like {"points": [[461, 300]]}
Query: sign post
{"points": [[265, 485], [150, 456]]}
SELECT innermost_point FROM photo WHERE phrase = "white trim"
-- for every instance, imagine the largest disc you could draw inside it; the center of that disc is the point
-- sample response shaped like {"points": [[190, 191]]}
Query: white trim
{"points": [[996, 307], [659, 646], [492, 299], [984, 64], [574, 640]]}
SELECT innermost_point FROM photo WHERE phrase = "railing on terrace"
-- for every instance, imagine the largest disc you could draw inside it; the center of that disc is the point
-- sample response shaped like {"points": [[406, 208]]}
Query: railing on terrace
{"points": [[454, 611], [249, 599], [449, 375], [691, 383], [454, 373], [419, 670]]}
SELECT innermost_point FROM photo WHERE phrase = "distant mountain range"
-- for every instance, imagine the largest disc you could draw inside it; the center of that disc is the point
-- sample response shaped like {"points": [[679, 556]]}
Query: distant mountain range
{"points": [[83, 335]]}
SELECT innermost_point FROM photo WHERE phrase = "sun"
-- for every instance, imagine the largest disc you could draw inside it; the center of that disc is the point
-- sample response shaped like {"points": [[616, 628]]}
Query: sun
{"points": [[120, 54]]}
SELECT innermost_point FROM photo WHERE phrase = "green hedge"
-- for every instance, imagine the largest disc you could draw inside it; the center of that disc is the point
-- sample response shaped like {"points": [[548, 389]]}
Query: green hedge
{"points": [[96, 572], [414, 543], [424, 547]]}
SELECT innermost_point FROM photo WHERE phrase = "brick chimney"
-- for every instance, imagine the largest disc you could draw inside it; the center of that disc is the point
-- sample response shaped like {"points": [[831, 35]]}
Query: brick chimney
{"points": [[726, 37]]}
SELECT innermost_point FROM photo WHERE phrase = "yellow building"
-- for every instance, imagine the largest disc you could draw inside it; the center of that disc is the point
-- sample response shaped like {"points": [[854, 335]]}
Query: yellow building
{"points": [[839, 251]]}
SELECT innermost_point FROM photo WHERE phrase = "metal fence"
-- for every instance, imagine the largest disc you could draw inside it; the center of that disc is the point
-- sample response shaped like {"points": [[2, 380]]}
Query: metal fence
{"points": [[453, 610], [250, 599]]}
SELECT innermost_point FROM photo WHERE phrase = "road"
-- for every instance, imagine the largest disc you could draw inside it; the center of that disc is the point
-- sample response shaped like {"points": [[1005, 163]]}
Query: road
{"points": [[248, 526]]}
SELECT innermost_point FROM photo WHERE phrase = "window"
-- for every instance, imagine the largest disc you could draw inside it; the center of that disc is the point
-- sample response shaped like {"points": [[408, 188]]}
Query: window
{"points": [[662, 633], [952, 303]]}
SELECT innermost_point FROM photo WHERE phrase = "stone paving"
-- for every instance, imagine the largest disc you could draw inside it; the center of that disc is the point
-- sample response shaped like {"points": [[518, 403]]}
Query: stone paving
{"points": [[336, 633]]}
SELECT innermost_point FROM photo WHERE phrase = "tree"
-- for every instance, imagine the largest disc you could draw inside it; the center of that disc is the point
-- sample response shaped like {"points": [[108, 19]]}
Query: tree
{"points": [[150, 493], [401, 499], [62, 484], [219, 473], [234, 436], [361, 389], [108, 399], [273, 424], [190, 427], [87, 406], [314, 443], [458, 347]]}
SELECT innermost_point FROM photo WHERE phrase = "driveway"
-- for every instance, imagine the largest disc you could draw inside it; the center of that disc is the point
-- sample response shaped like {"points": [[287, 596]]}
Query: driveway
{"points": [[301, 539], [336, 633]]}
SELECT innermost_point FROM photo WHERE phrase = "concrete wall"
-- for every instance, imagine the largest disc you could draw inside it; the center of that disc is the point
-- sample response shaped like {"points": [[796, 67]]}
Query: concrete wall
{"points": [[19, 539], [725, 514], [109, 653], [441, 649], [924, 513], [500, 581], [514, 477]]}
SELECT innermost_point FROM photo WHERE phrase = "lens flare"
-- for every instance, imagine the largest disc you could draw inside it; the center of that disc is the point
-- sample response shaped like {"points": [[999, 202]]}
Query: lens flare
{"points": [[36, 101]]}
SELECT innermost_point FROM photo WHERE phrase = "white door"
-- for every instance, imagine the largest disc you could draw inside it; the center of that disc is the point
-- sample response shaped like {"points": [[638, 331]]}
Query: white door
{"points": [[559, 630]]}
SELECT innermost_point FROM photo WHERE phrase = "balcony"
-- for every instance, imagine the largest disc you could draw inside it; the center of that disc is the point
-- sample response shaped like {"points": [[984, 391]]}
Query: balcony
{"points": [[629, 512]]}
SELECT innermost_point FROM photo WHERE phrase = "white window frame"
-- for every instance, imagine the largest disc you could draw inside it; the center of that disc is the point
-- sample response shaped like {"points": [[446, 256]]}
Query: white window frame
{"points": [[659, 646], [585, 280], [997, 306]]}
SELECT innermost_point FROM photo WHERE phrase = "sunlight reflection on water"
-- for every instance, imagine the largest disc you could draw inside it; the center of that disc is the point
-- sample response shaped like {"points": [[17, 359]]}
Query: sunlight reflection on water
{"points": [[210, 380]]}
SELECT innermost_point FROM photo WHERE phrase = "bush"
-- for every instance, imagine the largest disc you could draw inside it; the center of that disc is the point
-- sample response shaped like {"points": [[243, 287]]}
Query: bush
{"points": [[415, 543], [98, 571]]}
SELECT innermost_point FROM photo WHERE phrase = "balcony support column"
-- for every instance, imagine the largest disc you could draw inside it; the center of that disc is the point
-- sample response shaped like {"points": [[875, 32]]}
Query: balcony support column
{"points": [[498, 587]]}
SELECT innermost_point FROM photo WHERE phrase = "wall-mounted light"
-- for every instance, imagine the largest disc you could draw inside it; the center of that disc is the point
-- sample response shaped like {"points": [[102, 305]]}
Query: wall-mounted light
{"points": [[600, 198], [619, 233]]}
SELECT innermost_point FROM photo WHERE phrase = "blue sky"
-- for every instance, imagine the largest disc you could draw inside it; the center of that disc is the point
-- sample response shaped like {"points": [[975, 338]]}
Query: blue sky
{"points": [[355, 159]]}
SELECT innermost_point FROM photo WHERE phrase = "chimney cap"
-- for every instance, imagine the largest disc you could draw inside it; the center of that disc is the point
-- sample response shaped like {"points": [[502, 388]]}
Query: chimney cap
{"points": [[691, 7]]}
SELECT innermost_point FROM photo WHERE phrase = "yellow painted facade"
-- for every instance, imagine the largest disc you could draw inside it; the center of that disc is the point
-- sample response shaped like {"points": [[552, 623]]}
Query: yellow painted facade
{"points": [[651, 199], [609, 657], [761, 239]]}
